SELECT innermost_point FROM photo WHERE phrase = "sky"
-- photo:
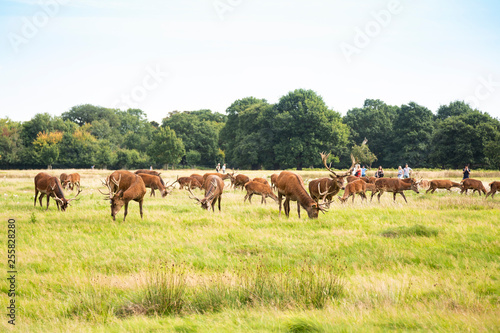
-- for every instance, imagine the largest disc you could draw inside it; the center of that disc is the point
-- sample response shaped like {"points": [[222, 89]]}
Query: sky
{"points": [[182, 55]]}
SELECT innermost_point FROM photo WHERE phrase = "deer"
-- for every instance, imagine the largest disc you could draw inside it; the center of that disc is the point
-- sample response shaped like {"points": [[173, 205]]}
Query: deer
{"points": [[372, 188], [240, 181], [261, 180], [214, 185], [441, 184], [291, 186], [494, 187], [259, 188], [395, 186], [154, 183], [274, 180], [124, 186], [187, 181], [222, 176], [71, 180], [353, 188], [62, 178], [151, 172], [472, 184], [50, 186], [198, 177]]}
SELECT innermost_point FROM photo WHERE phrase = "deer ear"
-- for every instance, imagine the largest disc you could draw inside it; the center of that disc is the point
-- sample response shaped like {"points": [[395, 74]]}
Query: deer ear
{"points": [[120, 194]]}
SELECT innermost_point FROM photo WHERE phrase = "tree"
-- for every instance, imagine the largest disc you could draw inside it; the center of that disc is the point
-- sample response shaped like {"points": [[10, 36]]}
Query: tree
{"points": [[47, 148], [193, 157], [456, 108], [363, 155], [166, 147], [87, 113], [10, 142], [304, 127]]}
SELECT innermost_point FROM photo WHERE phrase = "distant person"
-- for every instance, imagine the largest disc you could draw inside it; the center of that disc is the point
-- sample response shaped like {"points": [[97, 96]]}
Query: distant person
{"points": [[217, 168], [406, 171], [224, 168], [151, 167], [357, 173], [380, 172], [466, 172], [400, 172], [363, 171], [92, 167]]}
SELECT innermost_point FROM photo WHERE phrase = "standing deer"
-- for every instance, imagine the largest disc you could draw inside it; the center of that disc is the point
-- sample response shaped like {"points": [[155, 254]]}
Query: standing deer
{"points": [[261, 180], [494, 187], [239, 181], [474, 185], [214, 185], [71, 180], [259, 188], [198, 177], [154, 183], [220, 175], [292, 187], [353, 188], [190, 182], [123, 187], [395, 186], [151, 172], [62, 178], [442, 184], [274, 181], [51, 187]]}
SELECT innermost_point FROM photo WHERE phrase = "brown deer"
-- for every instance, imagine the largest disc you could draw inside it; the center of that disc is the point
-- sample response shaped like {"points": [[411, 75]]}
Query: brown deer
{"points": [[441, 184], [472, 184], [372, 188], [214, 186], [274, 180], [198, 177], [71, 180], [187, 182], [240, 181], [372, 180], [62, 178], [262, 189], [494, 187], [151, 172], [317, 188], [292, 187], [222, 176], [154, 183], [261, 180], [50, 186], [353, 188], [395, 186], [123, 187]]}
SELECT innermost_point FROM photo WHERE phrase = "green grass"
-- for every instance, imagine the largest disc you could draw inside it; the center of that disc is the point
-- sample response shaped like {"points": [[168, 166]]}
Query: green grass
{"points": [[432, 264]]}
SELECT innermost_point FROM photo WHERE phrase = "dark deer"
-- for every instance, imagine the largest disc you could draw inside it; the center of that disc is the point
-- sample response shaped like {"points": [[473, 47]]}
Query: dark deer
{"points": [[395, 186], [442, 184], [494, 187], [154, 183], [353, 188], [259, 188], [472, 184], [71, 180], [214, 185], [51, 187], [123, 187], [292, 187]]}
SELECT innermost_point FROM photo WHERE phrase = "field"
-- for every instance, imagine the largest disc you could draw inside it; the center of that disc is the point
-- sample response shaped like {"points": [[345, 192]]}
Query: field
{"points": [[429, 265]]}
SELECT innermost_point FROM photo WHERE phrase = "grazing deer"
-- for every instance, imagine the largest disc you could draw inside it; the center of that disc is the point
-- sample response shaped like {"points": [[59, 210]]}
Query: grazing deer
{"points": [[353, 188], [198, 177], [274, 180], [292, 187], [395, 186], [71, 180], [494, 187], [317, 188], [187, 182], [123, 187], [472, 184], [441, 184], [214, 185], [51, 187], [259, 188], [151, 172], [240, 181], [424, 184], [222, 176], [154, 183], [63, 178], [261, 180]]}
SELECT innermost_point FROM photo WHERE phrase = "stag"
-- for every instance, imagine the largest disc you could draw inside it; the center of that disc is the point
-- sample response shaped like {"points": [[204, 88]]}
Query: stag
{"points": [[259, 188], [472, 184], [494, 187], [214, 185], [190, 182], [51, 187], [395, 186], [71, 180], [441, 184], [292, 187], [353, 188], [318, 188], [154, 183], [123, 187]]}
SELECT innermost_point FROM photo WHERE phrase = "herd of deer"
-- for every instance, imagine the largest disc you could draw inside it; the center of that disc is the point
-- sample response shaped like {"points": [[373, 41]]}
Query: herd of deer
{"points": [[124, 186]]}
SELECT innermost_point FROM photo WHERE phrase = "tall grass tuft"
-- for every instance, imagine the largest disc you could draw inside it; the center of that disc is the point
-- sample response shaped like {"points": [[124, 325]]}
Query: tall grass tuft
{"points": [[303, 325], [413, 231]]}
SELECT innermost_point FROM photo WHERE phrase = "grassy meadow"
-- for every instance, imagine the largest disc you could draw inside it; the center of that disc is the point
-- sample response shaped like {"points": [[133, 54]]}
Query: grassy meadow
{"points": [[430, 265]]}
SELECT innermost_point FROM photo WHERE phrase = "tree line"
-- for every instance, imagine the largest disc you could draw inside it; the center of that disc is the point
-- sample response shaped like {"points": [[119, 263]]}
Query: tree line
{"points": [[254, 134]]}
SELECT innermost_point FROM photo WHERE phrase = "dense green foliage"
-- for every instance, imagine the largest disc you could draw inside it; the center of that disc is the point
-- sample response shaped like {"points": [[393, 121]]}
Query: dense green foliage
{"points": [[254, 134]]}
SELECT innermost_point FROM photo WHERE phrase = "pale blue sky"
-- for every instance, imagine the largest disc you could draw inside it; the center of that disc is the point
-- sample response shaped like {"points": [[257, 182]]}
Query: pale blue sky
{"points": [[162, 56]]}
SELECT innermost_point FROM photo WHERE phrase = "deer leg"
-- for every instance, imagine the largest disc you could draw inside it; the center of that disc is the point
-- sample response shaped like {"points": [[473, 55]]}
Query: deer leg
{"points": [[394, 196], [140, 207], [298, 208], [379, 194], [219, 199], [403, 195], [287, 206], [126, 211], [246, 197], [263, 199], [48, 197], [250, 198], [36, 195], [40, 198], [280, 197]]}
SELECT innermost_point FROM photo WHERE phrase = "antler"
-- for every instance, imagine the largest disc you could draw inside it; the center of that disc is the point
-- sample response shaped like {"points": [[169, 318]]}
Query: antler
{"points": [[324, 195], [193, 196], [106, 183], [74, 198], [211, 190], [325, 157]]}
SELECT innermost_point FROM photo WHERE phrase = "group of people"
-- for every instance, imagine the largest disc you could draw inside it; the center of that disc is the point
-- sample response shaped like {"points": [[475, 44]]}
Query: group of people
{"points": [[218, 168], [402, 172]]}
